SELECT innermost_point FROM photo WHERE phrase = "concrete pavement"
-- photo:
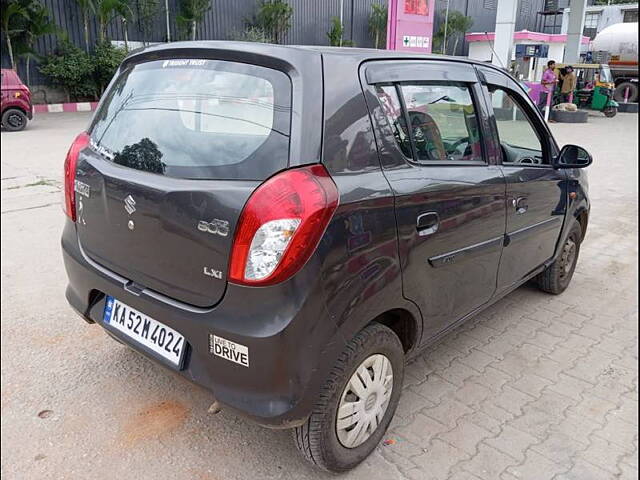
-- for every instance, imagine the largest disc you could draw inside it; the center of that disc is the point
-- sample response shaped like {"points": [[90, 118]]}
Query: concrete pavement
{"points": [[537, 387]]}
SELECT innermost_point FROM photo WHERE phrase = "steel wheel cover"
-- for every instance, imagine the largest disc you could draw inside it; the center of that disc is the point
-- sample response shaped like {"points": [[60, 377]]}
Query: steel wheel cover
{"points": [[15, 120], [364, 401]]}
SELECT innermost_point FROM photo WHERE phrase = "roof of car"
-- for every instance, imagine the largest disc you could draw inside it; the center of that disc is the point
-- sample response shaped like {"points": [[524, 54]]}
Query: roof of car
{"points": [[358, 54]]}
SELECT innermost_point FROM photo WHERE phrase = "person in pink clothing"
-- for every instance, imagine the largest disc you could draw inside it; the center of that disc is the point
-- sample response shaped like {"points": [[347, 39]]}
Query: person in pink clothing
{"points": [[549, 80]]}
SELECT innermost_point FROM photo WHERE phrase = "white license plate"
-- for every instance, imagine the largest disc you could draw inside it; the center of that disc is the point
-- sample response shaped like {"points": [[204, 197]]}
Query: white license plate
{"points": [[144, 330]]}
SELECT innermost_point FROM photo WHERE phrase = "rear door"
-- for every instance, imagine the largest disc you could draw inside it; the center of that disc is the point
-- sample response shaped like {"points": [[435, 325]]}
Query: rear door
{"points": [[536, 192], [450, 198], [176, 148]]}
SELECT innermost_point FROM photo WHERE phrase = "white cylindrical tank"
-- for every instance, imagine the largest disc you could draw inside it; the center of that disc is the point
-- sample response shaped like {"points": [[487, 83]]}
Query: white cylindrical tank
{"points": [[619, 40]]}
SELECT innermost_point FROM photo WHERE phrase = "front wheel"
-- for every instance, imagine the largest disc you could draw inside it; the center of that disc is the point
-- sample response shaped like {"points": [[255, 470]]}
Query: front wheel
{"points": [[556, 278], [14, 120], [610, 112], [356, 403]]}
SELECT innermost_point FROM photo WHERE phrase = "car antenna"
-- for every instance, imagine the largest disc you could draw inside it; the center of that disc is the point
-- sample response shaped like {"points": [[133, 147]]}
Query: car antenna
{"points": [[486, 34]]}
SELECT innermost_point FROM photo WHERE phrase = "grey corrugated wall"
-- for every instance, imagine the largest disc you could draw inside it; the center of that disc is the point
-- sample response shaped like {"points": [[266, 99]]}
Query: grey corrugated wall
{"points": [[310, 23]]}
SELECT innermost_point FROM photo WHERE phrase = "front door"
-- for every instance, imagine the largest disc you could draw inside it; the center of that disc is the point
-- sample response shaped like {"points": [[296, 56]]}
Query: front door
{"points": [[429, 121], [536, 192]]}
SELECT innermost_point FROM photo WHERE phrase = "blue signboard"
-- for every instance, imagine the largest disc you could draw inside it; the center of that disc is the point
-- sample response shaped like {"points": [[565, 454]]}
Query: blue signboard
{"points": [[538, 51]]}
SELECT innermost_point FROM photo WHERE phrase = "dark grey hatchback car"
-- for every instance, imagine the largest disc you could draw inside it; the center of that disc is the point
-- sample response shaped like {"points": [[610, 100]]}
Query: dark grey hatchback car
{"points": [[286, 226]]}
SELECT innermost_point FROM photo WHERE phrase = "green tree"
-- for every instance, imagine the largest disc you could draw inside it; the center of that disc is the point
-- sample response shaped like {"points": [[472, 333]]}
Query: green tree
{"points": [[13, 15], [147, 13], [143, 155], [192, 12], [105, 62], [37, 23], [107, 11], [378, 23], [274, 18], [457, 25], [250, 34], [335, 33], [87, 7]]}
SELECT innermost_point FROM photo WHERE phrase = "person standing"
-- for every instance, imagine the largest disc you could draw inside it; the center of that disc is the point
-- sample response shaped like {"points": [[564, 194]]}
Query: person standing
{"points": [[549, 80], [569, 82]]}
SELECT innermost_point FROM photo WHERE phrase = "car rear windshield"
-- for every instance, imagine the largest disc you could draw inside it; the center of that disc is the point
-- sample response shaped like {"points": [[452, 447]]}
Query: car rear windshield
{"points": [[196, 118]]}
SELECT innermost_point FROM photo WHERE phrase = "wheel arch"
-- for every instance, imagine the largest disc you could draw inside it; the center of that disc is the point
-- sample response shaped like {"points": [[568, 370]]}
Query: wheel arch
{"points": [[13, 107], [404, 324], [582, 217]]}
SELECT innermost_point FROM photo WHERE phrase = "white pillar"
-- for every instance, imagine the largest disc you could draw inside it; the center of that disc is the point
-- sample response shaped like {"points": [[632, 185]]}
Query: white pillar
{"points": [[505, 27], [574, 31]]}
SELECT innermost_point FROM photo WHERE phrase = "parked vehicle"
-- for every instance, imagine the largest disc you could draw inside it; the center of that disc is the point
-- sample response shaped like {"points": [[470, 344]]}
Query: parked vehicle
{"points": [[594, 88], [290, 250], [16, 102], [619, 44]]}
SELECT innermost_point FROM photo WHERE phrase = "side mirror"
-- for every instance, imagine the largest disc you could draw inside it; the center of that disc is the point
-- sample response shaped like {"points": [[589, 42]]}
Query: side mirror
{"points": [[573, 156]]}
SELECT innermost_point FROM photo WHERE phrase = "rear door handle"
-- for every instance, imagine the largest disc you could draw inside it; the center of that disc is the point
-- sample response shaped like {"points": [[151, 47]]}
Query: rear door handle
{"points": [[521, 205], [427, 223]]}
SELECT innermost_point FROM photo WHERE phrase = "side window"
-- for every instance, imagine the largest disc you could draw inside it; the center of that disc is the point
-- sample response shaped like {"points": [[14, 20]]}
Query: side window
{"points": [[518, 138], [443, 120], [442, 117], [388, 97]]}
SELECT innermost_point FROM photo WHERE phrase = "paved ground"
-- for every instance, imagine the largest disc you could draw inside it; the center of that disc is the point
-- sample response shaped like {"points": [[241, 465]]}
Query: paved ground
{"points": [[537, 387]]}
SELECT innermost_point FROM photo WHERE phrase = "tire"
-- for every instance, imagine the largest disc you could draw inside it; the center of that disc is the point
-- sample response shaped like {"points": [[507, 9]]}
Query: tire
{"points": [[610, 112], [14, 120], [618, 94], [556, 278], [560, 116], [319, 439]]}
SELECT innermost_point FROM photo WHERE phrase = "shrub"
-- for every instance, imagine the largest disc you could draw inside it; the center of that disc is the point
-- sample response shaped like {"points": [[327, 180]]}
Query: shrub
{"points": [[106, 60], [274, 18], [71, 69], [335, 34], [83, 75], [251, 34]]}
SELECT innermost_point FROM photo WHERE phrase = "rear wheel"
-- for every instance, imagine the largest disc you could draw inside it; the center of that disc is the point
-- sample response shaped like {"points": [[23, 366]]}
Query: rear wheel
{"points": [[14, 120], [621, 91], [610, 112], [357, 402], [556, 278]]}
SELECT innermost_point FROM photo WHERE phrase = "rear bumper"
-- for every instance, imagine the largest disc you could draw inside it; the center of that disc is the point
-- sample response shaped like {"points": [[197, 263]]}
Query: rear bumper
{"points": [[290, 337]]}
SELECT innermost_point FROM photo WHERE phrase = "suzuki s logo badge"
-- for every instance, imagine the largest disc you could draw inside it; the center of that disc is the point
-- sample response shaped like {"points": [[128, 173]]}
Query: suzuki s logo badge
{"points": [[215, 227], [129, 204]]}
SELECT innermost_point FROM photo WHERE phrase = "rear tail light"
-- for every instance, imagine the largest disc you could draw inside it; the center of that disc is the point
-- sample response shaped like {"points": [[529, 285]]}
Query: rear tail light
{"points": [[281, 225], [70, 164]]}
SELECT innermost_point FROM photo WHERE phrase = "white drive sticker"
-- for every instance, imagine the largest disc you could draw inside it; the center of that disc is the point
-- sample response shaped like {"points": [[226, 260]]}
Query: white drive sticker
{"points": [[192, 62], [234, 352]]}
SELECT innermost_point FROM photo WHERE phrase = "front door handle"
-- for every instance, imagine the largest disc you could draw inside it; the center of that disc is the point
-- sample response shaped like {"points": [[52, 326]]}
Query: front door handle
{"points": [[521, 205], [427, 223]]}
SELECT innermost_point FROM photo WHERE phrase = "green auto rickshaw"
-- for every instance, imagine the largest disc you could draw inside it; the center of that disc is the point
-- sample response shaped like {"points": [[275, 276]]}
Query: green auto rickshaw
{"points": [[594, 87]]}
